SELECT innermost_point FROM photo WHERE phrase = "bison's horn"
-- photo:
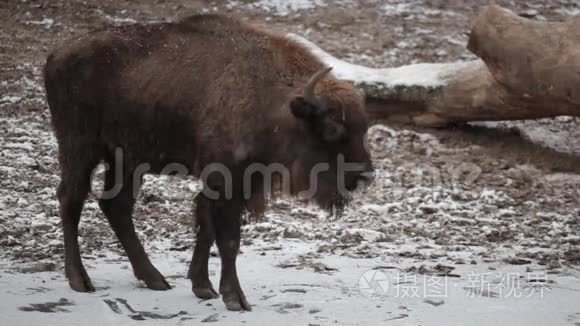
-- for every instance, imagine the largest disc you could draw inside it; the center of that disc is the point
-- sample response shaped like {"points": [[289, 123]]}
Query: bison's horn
{"points": [[309, 95]]}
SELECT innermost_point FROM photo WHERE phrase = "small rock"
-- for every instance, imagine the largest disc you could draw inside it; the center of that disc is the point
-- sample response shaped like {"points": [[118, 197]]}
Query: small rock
{"points": [[320, 268], [40, 227], [528, 13], [38, 267], [9, 241], [428, 209], [292, 234], [517, 261]]}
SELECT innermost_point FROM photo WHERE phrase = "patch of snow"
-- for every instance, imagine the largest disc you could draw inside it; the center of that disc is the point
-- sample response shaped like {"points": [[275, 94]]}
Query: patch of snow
{"points": [[392, 8], [120, 20], [568, 11], [284, 7], [48, 23], [9, 99], [426, 75], [22, 146], [287, 7]]}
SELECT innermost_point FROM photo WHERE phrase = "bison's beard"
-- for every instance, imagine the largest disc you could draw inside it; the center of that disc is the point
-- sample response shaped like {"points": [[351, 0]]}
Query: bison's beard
{"points": [[324, 193], [333, 205]]}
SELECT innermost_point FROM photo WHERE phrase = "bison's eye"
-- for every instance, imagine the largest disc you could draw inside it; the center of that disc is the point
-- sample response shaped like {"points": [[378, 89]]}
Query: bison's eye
{"points": [[301, 109], [333, 131]]}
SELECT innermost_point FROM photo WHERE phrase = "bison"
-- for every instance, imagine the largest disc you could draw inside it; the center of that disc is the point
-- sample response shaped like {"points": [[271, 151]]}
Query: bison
{"points": [[208, 90]]}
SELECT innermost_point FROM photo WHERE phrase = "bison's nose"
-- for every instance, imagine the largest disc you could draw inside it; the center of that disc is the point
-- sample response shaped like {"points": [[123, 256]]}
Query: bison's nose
{"points": [[368, 176], [361, 178], [369, 173]]}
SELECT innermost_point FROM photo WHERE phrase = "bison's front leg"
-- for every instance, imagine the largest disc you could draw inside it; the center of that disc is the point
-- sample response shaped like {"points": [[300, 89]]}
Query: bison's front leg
{"points": [[226, 218]]}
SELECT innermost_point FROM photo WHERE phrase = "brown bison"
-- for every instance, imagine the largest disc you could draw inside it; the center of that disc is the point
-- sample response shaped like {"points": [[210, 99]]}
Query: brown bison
{"points": [[214, 96]]}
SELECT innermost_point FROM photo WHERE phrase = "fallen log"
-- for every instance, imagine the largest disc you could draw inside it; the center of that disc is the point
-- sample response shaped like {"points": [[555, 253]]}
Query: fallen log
{"points": [[528, 70]]}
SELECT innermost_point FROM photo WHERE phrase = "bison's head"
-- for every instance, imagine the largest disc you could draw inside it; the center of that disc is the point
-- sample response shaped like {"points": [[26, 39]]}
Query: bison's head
{"points": [[332, 158]]}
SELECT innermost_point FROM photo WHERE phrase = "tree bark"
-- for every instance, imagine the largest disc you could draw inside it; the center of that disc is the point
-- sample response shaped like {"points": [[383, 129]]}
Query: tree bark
{"points": [[528, 70]]}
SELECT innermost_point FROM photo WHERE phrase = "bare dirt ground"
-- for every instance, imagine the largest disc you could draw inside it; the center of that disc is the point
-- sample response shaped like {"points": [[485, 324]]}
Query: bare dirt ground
{"points": [[488, 195]]}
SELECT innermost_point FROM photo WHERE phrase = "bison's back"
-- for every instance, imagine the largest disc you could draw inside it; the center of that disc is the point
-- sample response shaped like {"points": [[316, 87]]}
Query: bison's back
{"points": [[161, 90]]}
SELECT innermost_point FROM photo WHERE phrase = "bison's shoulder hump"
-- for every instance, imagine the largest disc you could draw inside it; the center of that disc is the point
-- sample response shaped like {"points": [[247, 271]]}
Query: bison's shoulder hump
{"points": [[209, 22]]}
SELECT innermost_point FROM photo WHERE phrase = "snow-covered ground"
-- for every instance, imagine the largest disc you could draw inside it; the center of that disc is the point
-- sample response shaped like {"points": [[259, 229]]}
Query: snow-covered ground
{"points": [[475, 226], [285, 290]]}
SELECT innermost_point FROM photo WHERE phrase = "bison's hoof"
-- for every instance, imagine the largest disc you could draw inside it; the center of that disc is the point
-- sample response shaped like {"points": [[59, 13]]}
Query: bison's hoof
{"points": [[237, 302], [81, 284], [158, 285], [205, 293]]}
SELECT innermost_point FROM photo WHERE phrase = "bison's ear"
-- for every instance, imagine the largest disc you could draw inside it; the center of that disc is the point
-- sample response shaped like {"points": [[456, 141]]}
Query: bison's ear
{"points": [[301, 109]]}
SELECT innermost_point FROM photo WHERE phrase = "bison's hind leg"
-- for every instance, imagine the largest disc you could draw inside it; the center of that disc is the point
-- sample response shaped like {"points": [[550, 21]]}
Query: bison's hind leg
{"points": [[198, 268], [76, 169]]}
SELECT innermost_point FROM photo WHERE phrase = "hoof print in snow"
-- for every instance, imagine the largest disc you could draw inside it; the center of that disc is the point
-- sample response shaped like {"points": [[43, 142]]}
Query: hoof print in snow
{"points": [[574, 318], [283, 308], [293, 291], [287, 265], [479, 292], [122, 307], [40, 289], [210, 319], [400, 316], [266, 297], [48, 306], [434, 303]]}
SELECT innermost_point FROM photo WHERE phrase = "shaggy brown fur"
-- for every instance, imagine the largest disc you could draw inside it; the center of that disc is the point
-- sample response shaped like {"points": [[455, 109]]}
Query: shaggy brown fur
{"points": [[208, 89]]}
